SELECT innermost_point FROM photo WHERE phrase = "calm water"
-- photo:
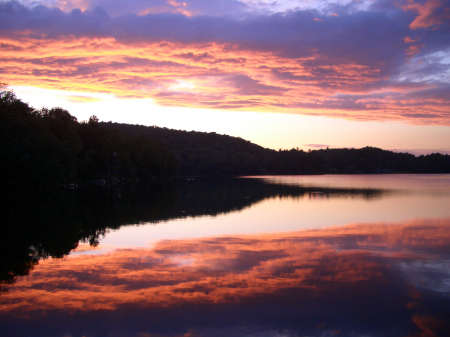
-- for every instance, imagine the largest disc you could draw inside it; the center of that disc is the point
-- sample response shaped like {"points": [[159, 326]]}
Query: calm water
{"points": [[365, 255]]}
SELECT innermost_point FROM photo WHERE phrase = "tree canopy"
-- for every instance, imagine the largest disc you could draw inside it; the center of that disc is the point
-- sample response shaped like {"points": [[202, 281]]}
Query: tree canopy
{"points": [[200, 153], [45, 148]]}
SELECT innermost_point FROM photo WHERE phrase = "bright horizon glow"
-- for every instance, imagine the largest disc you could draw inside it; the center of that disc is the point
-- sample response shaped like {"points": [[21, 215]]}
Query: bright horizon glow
{"points": [[270, 130]]}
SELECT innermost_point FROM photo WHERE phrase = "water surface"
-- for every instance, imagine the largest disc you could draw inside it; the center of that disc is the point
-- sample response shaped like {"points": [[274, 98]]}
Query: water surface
{"points": [[254, 256]]}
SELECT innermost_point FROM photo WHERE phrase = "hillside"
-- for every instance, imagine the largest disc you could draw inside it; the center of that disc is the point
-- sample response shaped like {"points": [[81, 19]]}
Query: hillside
{"points": [[200, 153]]}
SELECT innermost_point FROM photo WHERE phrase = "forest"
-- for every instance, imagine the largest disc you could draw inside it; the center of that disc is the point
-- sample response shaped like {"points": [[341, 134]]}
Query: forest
{"points": [[211, 154], [44, 149]]}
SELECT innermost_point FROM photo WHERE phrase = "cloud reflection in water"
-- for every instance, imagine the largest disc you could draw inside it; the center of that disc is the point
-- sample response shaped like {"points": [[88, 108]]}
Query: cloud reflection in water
{"points": [[377, 279]]}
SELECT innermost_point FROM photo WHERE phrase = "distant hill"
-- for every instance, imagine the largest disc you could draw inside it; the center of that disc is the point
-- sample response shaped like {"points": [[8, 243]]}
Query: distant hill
{"points": [[200, 153]]}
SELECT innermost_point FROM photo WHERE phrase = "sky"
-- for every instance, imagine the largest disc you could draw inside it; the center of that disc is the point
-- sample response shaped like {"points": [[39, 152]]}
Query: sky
{"points": [[282, 74]]}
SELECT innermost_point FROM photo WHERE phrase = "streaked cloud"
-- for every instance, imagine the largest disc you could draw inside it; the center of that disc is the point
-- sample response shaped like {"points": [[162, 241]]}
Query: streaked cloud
{"points": [[366, 61], [317, 145]]}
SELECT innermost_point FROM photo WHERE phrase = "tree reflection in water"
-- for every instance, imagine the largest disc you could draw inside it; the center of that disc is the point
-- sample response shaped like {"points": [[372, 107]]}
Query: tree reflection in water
{"points": [[49, 225]]}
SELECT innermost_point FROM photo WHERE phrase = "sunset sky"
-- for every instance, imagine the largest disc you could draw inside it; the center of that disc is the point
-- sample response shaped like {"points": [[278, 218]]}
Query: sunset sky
{"points": [[282, 74]]}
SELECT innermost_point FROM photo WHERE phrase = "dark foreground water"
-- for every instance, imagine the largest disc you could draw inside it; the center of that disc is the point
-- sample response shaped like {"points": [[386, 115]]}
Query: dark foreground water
{"points": [[272, 256]]}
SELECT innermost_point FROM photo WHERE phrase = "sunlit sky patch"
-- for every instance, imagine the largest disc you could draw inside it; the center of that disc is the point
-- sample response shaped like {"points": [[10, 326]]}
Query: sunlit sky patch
{"points": [[379, 65]]}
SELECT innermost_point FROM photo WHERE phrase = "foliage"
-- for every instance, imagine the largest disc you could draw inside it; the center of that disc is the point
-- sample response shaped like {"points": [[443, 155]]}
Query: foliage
{"points": [[42, 149], [48, 147], [199, 153]]}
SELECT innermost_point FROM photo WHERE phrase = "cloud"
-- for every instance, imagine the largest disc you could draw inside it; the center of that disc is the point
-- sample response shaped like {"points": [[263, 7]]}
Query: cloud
{"points": [[247, 86], [117, 8], [317, 145], [349, 65], [429, 14], [408, 40]]}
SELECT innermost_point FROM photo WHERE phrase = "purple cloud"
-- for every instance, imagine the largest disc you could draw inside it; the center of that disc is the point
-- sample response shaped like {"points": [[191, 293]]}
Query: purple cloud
{"points": [[344, 57]]}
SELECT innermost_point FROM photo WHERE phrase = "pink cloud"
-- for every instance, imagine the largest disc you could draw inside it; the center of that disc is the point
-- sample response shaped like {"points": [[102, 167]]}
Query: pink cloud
{"points": [[408, 40], [430, 13], [285, 63]]}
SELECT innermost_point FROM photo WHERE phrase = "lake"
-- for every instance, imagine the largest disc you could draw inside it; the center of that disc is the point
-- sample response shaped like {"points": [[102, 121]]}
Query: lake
{"points": [[331, 255]]}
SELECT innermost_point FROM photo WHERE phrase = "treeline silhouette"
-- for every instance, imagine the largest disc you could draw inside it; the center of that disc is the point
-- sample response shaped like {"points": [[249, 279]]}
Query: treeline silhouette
{"points": [[49, 147], [199, 153], [45, 148]]}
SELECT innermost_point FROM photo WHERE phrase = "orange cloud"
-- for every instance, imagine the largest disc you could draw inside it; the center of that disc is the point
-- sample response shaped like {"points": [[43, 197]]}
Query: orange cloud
{"points": [[217, 76], [286, 63]]}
